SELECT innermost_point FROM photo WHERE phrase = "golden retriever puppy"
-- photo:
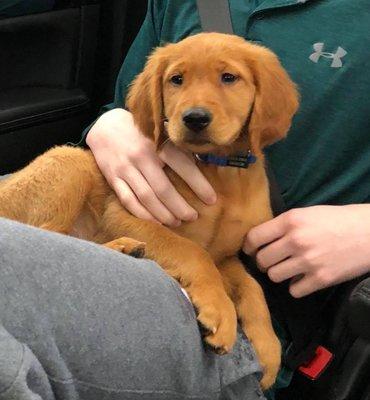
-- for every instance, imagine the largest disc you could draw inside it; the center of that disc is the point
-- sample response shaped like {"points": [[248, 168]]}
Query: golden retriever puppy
{"points": [[222, 100]]}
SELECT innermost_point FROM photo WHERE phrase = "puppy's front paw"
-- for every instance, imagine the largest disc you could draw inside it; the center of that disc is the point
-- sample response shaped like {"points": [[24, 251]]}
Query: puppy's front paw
{"points": [[219, 323], [268, 349]]}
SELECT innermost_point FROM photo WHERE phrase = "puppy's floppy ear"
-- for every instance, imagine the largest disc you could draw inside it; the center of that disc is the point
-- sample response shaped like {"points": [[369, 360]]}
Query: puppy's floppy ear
{"points": [[276, 99], [145, 99]]}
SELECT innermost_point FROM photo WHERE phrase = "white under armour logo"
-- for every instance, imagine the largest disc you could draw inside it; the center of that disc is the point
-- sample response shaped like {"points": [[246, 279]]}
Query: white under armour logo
{"points": [[337, 56]]}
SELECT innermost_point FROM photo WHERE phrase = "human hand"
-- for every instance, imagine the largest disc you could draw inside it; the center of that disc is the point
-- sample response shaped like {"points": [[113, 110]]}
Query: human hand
{"points": [[134, 170], [316, 246]]}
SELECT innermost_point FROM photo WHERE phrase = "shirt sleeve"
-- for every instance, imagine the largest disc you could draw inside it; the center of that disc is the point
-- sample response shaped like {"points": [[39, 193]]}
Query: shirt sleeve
{"points": [[147, 39]]}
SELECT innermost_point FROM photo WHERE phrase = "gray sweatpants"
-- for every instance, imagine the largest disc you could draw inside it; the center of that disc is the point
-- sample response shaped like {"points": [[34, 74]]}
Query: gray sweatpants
{"points": [[78, 321]]}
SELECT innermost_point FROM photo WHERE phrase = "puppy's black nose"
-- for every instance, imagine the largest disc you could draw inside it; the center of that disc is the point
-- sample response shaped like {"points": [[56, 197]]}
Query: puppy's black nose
{"points": [[196, 118]]}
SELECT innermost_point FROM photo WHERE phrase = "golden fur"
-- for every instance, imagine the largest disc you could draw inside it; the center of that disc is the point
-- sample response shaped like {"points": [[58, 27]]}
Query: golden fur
{"points": [[64, 191]]}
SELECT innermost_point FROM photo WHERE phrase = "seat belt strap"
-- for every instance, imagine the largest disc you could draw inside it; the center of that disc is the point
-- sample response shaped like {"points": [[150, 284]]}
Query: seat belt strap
{"points": [[215, 16]]}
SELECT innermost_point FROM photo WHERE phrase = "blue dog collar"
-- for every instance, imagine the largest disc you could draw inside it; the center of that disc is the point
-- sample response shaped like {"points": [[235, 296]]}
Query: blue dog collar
{"points": [[231, 161]]}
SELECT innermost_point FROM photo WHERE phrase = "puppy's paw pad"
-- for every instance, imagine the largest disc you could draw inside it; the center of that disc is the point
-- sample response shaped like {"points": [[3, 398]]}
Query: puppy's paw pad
{"points": [[127, 246], [138, 252]]}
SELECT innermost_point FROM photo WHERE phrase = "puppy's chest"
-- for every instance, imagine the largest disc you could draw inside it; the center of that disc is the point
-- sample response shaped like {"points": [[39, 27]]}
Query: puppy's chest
{"points": [[221, 229], [243, 202], [229, 228]]}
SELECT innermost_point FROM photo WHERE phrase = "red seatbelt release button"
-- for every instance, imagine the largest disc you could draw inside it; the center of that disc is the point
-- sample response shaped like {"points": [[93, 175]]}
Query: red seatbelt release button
{"points": [[315, 367]]}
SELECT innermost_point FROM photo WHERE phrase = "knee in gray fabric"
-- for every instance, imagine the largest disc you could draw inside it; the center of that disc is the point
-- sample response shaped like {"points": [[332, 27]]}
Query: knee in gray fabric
{"points": [[21, 374]]}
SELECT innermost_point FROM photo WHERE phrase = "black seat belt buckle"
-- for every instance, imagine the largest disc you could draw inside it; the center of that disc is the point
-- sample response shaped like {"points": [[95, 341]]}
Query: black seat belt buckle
{"points": [[294, 358]]}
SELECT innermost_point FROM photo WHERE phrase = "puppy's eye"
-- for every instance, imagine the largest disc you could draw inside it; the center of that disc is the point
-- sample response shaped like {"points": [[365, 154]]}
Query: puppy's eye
{"points": [[177, 79], [228, 78]]}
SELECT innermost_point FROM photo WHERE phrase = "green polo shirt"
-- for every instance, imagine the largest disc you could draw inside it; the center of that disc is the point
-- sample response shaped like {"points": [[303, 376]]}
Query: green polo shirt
{"points": [[325, 47]]}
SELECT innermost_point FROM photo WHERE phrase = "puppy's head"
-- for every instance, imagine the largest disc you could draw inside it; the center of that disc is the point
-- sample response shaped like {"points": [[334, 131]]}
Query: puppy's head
{"points": [[213, 93]]}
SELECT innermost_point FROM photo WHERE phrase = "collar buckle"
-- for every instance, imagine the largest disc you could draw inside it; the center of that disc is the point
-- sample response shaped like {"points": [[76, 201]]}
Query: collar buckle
{"points": [[238, 161]]}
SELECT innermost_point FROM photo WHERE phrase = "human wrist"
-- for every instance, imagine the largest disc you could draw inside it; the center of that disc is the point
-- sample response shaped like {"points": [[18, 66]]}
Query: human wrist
{"points": [[361, 221], [109, 122]]}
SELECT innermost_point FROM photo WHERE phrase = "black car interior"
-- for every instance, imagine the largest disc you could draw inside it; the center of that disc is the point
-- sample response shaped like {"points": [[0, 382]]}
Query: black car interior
{"points": [[57, 68]]}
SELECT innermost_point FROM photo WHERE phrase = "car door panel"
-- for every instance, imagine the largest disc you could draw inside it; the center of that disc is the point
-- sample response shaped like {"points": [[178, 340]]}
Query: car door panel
{"points": [[52, 68]]}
